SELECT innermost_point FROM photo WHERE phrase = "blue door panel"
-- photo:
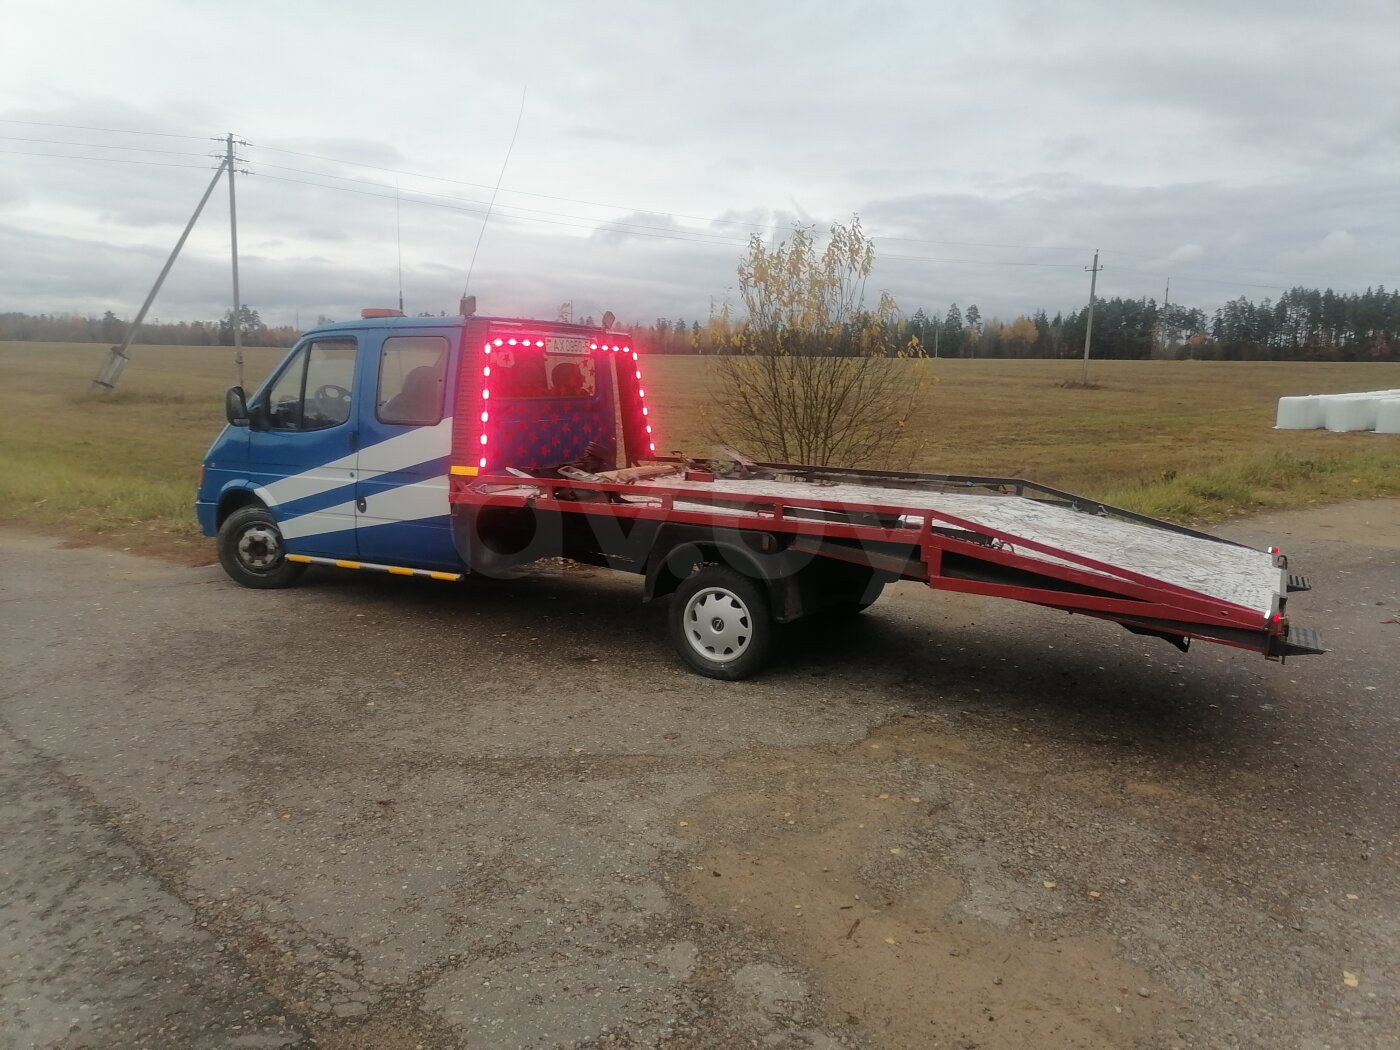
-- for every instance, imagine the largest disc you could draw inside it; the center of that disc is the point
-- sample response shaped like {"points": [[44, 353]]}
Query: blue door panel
{"points": [[402, 468]]}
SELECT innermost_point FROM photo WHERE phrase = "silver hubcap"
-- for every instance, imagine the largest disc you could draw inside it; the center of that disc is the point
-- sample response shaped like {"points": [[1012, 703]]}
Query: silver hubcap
{"points": [[718, 625], [260, 548]]}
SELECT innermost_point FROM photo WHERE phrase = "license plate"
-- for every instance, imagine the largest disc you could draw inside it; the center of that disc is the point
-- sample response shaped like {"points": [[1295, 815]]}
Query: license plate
{"points": [[557, 344]]}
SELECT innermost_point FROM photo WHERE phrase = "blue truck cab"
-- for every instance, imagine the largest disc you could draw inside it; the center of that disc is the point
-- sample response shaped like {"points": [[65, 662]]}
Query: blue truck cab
{"points": [[347, 453]]}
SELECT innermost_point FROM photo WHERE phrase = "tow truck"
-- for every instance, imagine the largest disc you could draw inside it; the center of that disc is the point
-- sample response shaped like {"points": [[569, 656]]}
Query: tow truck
{"points": [[443, 447]]}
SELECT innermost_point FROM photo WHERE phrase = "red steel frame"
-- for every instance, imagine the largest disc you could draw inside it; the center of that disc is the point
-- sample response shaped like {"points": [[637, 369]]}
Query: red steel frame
{"points": [[1143, 599]]}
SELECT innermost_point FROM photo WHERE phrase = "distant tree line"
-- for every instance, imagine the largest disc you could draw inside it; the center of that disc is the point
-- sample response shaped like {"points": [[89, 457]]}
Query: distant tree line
{"points": [[109, 328], [1304, 324]]}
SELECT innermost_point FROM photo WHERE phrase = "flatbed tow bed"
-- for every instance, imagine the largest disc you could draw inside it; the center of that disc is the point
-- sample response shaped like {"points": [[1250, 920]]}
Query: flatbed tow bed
{"points": [[1000, 537]]}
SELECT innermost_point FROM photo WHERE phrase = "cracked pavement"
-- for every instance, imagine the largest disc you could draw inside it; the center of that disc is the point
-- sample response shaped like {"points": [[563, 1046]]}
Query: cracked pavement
{"points": [[374, 812]]}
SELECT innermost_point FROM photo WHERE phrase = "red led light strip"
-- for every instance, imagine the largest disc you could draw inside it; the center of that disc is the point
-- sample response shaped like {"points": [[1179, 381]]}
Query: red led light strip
{"points": [[492, 344], [486, 349], [486, 395], [641, 391]]}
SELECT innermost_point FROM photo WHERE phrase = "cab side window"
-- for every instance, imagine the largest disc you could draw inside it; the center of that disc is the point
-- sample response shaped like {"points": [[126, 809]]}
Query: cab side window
{"points": [[313, 391], [412, 377], [284, 399]]}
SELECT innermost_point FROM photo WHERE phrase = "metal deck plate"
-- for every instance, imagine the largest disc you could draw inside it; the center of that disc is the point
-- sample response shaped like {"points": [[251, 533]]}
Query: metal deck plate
{"points": [[1239, 575]]}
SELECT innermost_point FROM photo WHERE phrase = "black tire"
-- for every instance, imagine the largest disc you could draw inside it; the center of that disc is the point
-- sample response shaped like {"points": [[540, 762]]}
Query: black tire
{"points": [[715, 595], [251, 551]]}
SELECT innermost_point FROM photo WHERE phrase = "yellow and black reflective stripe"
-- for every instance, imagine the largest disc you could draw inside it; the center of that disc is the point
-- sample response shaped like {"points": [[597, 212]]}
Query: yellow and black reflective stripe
{"points": [[396, 570]]}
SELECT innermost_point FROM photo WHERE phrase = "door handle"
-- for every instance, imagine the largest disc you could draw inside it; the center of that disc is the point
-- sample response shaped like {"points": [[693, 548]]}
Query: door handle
{"points": [[361, 505]]}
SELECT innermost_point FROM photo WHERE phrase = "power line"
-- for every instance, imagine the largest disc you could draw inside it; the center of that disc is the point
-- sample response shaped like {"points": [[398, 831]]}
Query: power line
{"points": [[619, 207], [603, 225], [109, 160], [636, 229], [683, 215], [102, 145], [596, 226], [632, 208], [980, 262], [715, 220], [510, 208], [507, 189], [1204, 280], [600, 225], [570, 200], [110, 131]]}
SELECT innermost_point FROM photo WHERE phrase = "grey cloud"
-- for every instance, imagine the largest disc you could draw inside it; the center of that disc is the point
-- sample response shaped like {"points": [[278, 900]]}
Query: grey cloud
{"points": [[1247, 144], [603, 135]]}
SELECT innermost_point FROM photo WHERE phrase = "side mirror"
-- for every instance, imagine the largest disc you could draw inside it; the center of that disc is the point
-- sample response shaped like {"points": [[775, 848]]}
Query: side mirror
{"points": [[236, 407]]}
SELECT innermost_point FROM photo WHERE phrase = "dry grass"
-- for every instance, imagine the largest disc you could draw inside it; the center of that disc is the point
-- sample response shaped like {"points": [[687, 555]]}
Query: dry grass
{"points": [[1192, 441], [123, 468], [1188, 440]]}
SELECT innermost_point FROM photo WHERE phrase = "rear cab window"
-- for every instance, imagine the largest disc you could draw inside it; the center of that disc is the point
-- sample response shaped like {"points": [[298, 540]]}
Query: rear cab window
{"points": [[536, 372], [412, 380]]}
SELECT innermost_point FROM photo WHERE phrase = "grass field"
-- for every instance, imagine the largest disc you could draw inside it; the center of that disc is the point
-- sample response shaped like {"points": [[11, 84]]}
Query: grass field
{"points": [[1191, 441]]}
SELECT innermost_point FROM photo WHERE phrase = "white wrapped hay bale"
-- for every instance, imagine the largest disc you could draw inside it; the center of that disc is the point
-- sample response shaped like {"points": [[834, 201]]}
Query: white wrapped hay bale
{"points": [[1388, 416], [1346, 413], [1300, 413]]}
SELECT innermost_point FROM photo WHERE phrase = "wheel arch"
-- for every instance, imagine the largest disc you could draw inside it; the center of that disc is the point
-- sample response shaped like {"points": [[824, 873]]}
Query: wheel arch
{"points": [[677, 552], [797, 583], [233, 498], [668, 566]]}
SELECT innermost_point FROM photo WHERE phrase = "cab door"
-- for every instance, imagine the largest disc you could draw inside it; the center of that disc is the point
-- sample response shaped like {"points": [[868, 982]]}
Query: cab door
{"points": [[301, 447], [402, 515]]}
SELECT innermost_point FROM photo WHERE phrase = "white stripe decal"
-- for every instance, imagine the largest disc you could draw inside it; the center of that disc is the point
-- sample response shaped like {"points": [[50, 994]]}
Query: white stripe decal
{"points": [[422, 499], [407, 503], [416, 446], [339, 518]]}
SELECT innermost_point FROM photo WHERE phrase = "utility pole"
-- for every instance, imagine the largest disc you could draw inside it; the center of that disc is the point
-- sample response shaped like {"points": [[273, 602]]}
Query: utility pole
{"points": [[106, 379], [1166, 302], [936, 327], [1089, 331], [233, 241]]}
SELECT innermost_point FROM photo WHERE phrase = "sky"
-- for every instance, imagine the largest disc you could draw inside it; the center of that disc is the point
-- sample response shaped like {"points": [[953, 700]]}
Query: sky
{"points": [[1235, 149]]}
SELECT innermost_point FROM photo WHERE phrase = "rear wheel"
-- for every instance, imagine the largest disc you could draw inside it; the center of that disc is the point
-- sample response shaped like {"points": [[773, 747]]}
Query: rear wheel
{"points": [[721, 624], [251, 550]]}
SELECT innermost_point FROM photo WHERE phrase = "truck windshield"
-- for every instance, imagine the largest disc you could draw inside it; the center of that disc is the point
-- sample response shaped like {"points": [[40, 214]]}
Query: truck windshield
{"points": [[313, 390]]}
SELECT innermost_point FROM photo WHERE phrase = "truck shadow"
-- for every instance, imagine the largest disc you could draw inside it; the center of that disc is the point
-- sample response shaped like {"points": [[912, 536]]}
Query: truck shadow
{"points": [[1041, 671], [1044, 673]]}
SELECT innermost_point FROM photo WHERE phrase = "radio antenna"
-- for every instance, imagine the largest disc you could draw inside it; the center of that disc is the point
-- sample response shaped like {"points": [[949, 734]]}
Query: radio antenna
{"points": [[482, 232], [398, 237]]}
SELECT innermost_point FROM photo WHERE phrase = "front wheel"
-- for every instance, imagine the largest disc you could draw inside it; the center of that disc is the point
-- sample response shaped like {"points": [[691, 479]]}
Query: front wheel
{"points": [[721, 624], [251, 550]]}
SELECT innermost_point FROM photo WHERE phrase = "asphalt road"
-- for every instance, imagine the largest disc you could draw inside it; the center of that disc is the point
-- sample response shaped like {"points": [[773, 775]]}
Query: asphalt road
{"points": [[375, 812]]}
